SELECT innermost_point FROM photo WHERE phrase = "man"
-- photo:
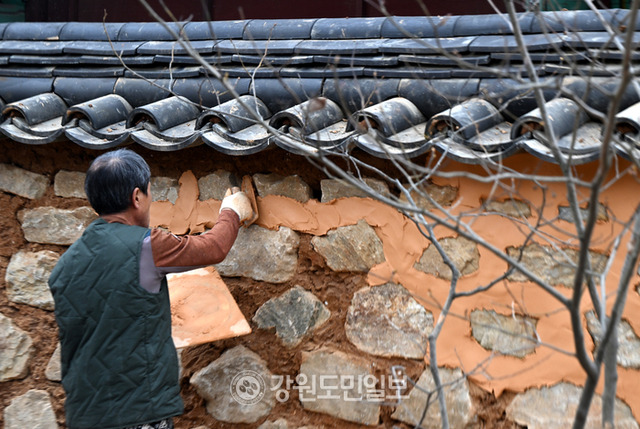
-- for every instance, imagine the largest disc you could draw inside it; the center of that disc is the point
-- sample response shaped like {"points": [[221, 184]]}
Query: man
{"points": [[119, 363]]}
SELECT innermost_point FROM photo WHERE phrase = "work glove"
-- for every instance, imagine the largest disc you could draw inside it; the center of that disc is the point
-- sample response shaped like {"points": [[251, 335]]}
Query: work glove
{"points": [[239, 203]]}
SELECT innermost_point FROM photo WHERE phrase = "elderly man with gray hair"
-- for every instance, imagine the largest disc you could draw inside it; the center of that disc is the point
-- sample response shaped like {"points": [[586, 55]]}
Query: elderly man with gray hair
{"points": [[119, 363]]}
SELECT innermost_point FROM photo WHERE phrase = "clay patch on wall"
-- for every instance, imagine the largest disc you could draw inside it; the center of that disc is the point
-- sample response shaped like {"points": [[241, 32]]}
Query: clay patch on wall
{"points": [[202, 309]]}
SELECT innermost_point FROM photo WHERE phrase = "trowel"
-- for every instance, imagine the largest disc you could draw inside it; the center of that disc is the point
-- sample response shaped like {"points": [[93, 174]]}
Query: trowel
{"points": [[247, 187]]}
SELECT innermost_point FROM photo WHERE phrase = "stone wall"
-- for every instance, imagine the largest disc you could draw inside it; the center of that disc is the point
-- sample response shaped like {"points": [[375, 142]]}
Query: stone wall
{"points": [[340, 319]]}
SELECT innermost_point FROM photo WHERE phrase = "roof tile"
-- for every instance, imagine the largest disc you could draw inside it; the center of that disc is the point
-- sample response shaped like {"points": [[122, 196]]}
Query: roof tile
{"points": [[278, 29], [175, 48], [30, 72], [90, 31], [133, 31], [339, 47], [74, 91], [215, 30], [88, 72], [347, 28], [163, 72], [453, 66], [257, 47], [113, 48], [139, 92], [209, 92], [16, 88], [33, 31], [427, 46], [477, 25], [418, 26], [31, 47]]}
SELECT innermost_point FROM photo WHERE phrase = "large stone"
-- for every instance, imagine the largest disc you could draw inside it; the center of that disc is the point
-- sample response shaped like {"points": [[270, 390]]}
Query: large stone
{"points": [[213, 186], [263, 255], [456, 392], [556, 267], [236, 387], [164, 189], [463, 253], [27, 276], [555, 408], [334, 383], [50, 225], [431, 195], [510, 207], [354, 248], [15, 350], [565, 213], [512, 335], [290, 186], [24, 183], [32, 410], [53, 371], [294, 315], [69, 184], [336, 188], [628, 342], [277, 424], [284, 424], [386, 321]]}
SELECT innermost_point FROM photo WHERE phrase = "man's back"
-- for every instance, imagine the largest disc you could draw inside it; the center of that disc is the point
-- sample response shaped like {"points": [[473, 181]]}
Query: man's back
{"points": [[118, 359]]}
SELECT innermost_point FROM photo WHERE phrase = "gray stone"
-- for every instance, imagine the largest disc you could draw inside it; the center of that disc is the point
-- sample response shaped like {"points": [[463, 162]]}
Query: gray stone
{"points": [[290, 186], [180, 368], [628, 341], [431, 195], [24, 183], [565, 213], [464, 254], [353, 248], [513, 335], [53, 371], [263, 255], [164, 189], [510, 207], [283, 424], [294, 315], [386, 321], [555, 408], [335, 188], [551, 265], [16, 349], [236, 387], [213, 186], [27, 276], [278, 424], [458, 399], [69, 184], [50, 225], [32, 410], [334, 383]]}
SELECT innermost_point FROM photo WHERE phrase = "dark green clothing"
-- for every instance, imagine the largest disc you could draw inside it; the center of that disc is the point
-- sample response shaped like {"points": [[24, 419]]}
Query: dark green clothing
{"points": [[119, 363]]}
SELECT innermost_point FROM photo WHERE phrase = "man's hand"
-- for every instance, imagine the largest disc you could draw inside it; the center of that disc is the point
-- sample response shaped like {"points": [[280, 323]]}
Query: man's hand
{"points": [[237, 201]]}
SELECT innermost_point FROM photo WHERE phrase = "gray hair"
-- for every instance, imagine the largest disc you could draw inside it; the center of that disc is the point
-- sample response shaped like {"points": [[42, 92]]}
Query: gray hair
{"points": [[111, 179]]}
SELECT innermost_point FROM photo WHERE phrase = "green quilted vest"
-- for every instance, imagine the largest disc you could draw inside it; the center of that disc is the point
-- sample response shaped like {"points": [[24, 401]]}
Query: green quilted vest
{"points": [[119, 363]]}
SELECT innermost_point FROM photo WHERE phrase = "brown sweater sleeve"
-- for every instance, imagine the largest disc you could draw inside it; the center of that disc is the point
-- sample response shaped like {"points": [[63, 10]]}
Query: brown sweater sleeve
{"points": [[196, 250]]}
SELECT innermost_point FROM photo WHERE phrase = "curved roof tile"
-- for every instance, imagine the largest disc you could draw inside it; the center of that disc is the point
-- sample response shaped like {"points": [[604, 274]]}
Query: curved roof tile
{"points": [[459, 85]]}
